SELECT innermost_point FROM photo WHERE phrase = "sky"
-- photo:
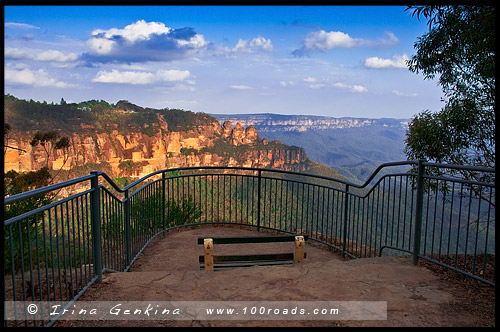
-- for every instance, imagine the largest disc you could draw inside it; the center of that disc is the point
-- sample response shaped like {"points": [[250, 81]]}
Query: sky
{"points": [[338, 61]]}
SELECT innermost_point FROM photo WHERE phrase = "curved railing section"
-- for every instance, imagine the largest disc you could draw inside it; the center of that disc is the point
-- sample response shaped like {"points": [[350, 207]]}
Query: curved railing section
{"points": [[53, 253]]}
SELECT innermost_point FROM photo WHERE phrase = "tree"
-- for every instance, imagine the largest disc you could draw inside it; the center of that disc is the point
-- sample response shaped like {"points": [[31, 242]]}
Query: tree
{"points": [[460, 49], [51, 141]]}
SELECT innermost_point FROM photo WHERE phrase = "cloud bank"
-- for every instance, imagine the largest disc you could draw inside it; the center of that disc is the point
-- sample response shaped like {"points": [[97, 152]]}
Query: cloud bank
{"points": [[143, 41]]}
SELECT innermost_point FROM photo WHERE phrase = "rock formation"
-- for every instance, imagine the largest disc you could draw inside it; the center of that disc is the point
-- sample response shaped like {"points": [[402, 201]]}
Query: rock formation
{"points": [[139, 150]]}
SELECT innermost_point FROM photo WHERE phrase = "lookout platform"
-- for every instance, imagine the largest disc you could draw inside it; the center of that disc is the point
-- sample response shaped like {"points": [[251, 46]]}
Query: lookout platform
{"points": [[168, 270]]}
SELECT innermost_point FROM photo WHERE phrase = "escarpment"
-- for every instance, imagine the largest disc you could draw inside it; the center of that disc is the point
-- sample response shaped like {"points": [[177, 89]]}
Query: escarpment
{"points": [[130, 141]]}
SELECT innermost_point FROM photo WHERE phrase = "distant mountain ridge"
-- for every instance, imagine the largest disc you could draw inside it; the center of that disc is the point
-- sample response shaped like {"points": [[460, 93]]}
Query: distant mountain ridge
{"points": [[269, 122], [354, 147]]}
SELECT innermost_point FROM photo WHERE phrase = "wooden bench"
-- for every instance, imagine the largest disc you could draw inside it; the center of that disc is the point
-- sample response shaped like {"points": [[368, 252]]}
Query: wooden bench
{"points": [[210, 262]]}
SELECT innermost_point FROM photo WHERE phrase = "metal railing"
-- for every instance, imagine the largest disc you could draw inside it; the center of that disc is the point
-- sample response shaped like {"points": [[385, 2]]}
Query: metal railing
{"points": [[54, 253]]}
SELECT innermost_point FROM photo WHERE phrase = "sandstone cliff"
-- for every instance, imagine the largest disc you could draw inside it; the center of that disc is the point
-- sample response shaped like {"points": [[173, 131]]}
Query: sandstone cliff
{"points": [[131, 141]]}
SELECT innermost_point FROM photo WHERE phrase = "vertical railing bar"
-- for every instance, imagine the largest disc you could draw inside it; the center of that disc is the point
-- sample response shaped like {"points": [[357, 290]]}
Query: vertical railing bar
{"points": [[284, 219], [399, 211], [467, 230], [376, 218], [163, 201], [459, 222], [89, 253], [248, 198], [451, 219], [411, 236], [13, 269], [346, 207], [405, 212], [373, 234], [116, 234], [445, 185], [259, 183], [328, 217], [46, 260], [230, 199], [21, 258], [393, 211], [419, 207], [96, 226], [365, 224], [426, 233], [477, 229], [388, 209], [28, 228], [487, 235], [74, 207], [39, 275], [128, 239], [57, 251], [434, 222], [69, 254], [333, 234]]}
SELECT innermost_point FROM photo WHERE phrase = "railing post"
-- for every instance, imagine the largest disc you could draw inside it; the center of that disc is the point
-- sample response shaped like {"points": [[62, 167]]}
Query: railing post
{"points": [[163, 219], [95, 215], [258, 199], [418, 212], [127, 228], [346, 207]]}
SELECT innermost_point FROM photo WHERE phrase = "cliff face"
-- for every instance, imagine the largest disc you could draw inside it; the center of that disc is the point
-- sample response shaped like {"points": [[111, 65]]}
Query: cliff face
{"points": [[147, 147]]}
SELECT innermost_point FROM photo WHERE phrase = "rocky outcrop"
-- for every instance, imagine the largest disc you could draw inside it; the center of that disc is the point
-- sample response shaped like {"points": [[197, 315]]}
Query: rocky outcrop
{"points": [[137, 153]]}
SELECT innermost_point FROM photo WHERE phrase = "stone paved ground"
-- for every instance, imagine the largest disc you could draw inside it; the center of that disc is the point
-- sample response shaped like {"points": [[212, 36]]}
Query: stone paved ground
{"points": [[168, 270]]}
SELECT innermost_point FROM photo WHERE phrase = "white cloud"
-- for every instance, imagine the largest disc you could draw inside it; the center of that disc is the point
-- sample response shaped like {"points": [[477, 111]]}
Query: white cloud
{"points": [[310, 79], [396, 62], [140, 30], [23, 26], [240, 87], [38, 78], [324, 41], [140, 78], [317, 86], [354, 88], [403, 94], [255, 45], [261, 43], [285, 83], [172, 75], [38, 55]]}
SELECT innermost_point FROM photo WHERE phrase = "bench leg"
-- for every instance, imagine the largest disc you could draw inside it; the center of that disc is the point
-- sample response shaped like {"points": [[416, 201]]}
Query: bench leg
{"points": [[300, 245], [209, 254]]}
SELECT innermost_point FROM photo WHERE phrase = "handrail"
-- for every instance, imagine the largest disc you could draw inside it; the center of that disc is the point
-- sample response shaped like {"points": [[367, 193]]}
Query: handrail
{"points": [[43, 190], [398, 163], [27, 194]]}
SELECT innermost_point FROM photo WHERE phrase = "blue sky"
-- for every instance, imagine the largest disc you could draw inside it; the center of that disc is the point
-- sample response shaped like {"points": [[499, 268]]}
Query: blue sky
{"points": [[316, 60]]}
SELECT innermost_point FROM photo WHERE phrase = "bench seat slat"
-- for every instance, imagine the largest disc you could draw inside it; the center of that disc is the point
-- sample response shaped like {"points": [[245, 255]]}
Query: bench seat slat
{"points": [[244, 258], [246, 264], [252, 239]]}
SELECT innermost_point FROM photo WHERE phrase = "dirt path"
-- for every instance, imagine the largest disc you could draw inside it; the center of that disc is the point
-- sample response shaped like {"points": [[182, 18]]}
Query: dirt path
{"points": [[168, 270]]}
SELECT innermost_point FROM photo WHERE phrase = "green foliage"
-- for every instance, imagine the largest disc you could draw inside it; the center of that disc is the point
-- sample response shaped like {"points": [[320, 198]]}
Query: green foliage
{"points": [[15, 183], [180, 120], [460, 49], [20, 233]]}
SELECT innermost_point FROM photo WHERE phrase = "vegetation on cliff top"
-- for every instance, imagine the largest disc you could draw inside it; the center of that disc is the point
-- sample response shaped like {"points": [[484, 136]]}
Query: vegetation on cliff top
{"points": [[96, 115]]}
